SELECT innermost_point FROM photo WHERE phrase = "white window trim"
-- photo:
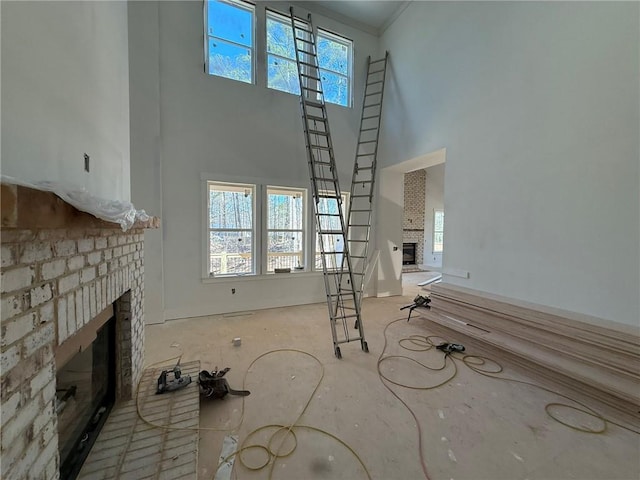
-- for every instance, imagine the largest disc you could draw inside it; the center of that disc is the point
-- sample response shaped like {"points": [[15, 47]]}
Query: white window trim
{"points": [[433, 233], [254, 231], [259, 237], [284, 19], [239, 4], [266, 229], [338, 38]]}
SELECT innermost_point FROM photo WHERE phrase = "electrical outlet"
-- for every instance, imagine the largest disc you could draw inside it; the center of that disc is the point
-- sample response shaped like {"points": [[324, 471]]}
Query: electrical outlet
{"points": [[233, 291], [87, 166]]}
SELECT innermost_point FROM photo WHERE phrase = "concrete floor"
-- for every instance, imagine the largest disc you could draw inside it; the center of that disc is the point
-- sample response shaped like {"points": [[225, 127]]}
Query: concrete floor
{"points": [[473, 427]]}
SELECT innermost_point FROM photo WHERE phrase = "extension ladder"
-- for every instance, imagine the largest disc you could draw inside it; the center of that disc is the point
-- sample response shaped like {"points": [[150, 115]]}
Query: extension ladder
{"points": [[330, 219], [364, 172]]}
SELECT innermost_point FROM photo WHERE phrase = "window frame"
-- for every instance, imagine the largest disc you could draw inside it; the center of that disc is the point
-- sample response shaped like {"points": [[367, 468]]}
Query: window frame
{"points": [[435, 232], [259, 224], [208, 273], [303, 230], [276, 16], [243, 5], [340, 39]]}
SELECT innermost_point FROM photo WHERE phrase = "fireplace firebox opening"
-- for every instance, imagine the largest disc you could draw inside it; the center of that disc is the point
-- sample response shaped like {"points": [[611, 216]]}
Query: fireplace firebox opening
{"points": [[85, 390], [409, 253]]}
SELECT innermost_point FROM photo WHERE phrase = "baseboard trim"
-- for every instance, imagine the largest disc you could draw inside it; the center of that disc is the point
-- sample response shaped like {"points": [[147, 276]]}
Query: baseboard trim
{"points": [[593, 356]]}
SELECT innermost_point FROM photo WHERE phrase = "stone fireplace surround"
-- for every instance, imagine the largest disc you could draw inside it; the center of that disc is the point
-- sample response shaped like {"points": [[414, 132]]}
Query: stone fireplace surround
{"points": [[60, 268]]}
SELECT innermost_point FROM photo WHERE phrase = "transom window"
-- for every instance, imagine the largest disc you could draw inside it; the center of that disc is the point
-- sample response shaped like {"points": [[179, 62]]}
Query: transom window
{"points": [[229, 42], [285, 228], [231, 229], [282, 71], [230, 46], [335, 54]]}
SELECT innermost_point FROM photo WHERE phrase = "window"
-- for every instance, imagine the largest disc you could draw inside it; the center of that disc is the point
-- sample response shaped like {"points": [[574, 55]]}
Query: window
{"points": [[335, 55], [254, 229], [229, 39], [331, 242], [438, 231], [231, 228], [282, 71], [285, 228]]}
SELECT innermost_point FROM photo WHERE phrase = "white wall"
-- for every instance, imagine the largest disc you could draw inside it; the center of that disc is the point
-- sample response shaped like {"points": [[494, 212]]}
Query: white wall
{"points": [[65, 92], [146, 164], [537, 105], [433, 200], [226, 129]]}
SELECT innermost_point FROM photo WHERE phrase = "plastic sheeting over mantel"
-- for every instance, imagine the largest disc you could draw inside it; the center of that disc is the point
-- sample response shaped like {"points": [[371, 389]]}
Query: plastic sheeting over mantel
{"points": [[115, 211]]}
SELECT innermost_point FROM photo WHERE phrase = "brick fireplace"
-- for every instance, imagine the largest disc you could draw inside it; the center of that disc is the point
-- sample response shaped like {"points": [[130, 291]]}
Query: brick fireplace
{"points": [[413, 219], [61, 269]]}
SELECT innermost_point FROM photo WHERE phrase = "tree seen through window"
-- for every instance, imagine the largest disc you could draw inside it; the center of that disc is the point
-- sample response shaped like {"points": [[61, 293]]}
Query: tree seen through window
{"points": [[229, 26]]}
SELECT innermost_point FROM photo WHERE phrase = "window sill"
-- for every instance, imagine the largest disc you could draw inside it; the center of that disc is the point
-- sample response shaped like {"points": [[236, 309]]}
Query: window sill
{"points": [[262, 277]]}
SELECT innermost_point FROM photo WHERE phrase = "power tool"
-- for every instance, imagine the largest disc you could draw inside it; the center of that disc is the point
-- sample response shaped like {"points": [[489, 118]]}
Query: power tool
{"points": [[178, 381], [449, 348], [419, 301], [213, 385]]}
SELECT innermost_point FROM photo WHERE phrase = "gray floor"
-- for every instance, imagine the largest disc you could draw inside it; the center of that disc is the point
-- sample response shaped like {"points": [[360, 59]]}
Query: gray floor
{"points": [[472, 427]]}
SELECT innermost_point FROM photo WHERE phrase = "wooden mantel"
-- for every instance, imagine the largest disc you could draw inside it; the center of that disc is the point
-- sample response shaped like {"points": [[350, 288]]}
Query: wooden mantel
{"points": [[28, 208]]}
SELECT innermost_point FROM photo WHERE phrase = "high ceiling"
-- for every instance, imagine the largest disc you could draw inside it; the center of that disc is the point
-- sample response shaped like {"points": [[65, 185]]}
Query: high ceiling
{"points": [[370, 15]]}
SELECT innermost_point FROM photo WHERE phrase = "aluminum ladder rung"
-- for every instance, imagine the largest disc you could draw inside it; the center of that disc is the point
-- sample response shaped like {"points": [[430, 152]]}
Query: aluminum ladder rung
{"points": [[377, 61], [309, 89], [325, 179], [310, 76], [316, 118], [313, 104], [304, 39], [361, 210], [374, 83], [318, 132], [344, 317], [373, 105], [307, 64], [305, 52], [300, 29], [350, 339]]}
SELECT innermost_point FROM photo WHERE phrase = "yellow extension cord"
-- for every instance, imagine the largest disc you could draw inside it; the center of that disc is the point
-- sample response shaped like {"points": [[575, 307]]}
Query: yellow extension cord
{"points": [[416, 343], [272, 455]]}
